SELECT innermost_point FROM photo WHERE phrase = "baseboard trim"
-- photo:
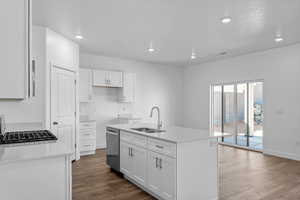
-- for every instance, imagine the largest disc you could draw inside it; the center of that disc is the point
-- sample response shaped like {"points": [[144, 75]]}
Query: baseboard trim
{"points": [[281, 154], [101, 146]]}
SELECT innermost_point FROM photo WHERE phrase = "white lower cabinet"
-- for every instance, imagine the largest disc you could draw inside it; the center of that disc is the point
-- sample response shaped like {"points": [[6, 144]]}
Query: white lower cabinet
{"points": [[169, 170], [126, 163], [133, 162], [87, 138], [139, 165], [161, 175], [152, 170]]}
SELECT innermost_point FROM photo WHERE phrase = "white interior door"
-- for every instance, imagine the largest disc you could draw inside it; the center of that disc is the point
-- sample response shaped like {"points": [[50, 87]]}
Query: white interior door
{"points": [[63, 107]]}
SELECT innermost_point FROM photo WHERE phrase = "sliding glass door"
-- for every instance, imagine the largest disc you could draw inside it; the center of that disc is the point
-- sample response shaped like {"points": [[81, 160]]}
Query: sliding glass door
{"points": [[237, 109], [229, 113]]}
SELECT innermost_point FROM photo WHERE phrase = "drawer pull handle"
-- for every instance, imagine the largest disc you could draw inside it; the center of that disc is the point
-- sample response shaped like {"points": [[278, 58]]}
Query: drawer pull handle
{"points": [[159, 146], [87, 145], [160, 163], [87, 134]]}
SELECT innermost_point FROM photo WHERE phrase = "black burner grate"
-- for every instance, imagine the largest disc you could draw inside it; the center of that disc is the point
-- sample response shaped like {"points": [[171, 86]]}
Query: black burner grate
{"points": [[27, 136]]}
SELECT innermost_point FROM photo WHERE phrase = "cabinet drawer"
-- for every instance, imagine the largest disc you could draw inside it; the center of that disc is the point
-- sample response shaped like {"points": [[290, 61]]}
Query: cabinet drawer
{"points": [[87, 145], [132, 138], [162, 147], [125, 136], [87, 134], [87, 125]]}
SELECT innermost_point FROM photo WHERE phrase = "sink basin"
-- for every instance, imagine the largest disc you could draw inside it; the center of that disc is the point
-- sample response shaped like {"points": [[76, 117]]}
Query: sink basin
{"points": [[148, 130]]}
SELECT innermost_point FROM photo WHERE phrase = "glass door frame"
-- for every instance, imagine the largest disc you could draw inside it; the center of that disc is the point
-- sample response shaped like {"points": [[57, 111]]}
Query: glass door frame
{"points": [[235, 83]]}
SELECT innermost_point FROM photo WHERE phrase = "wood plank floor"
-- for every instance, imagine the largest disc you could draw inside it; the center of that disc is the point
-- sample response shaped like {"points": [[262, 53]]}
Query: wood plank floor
{"points": [[244, 175]]}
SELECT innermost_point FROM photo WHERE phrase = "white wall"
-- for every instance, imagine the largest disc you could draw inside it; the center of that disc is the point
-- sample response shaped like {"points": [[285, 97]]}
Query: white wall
{"points": [[155, 85], [280, 69]]}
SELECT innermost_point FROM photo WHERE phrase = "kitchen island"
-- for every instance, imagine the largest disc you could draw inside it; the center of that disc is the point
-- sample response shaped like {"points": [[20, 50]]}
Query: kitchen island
{"points": [[35, 172], [176, 164]]}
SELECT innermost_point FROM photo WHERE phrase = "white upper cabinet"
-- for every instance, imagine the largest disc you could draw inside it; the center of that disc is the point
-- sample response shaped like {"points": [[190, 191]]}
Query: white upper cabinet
{"points": [[104, 78], [100, 78], [85, 85], [128, 90], [115, 79], [14, 49]]}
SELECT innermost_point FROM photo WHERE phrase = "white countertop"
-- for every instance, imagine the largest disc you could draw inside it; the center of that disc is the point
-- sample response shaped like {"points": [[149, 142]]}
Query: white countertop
{"points": [[174, 134], [32, 152]]}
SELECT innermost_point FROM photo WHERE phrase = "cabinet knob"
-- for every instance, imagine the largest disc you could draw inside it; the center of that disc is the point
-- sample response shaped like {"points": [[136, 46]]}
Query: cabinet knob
{"points": [[55, 123]]}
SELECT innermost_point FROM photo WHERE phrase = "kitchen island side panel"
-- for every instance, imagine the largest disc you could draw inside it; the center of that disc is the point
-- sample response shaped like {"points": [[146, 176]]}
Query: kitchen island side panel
{"points": [[197, 171]]}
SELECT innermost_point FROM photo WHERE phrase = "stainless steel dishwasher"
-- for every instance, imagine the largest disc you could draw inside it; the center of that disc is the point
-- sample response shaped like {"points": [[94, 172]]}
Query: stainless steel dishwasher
{"points": [[113, 148]]}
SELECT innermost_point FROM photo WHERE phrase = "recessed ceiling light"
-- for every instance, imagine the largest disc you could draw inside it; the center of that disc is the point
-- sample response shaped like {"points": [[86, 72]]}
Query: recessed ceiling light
{"points": [[278, 39], [79, 37], [226, 20], [193, 56], [151, 49]]}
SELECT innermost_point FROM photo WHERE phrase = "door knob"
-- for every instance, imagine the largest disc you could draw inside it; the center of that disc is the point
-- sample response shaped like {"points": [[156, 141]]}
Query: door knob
{"points": [[55, 123]]}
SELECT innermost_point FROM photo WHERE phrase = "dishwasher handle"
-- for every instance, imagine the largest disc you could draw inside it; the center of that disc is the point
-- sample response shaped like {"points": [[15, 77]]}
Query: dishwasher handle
{"points": [[112, 133]]}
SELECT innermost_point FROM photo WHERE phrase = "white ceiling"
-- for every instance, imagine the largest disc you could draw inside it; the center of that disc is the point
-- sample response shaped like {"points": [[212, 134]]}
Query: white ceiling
{"points": [[124, 28]]}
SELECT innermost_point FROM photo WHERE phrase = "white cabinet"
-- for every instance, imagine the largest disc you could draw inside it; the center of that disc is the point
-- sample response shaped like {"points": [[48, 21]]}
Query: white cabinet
{"points": [[161, 175], [154, 174], [133, 162], [133, 157], [104, 78], [100, 78], [139, 171], [85, 85], [87, 138], [126, 163], [153, 170], [167, 167], [168, 170], [115, 79], [14, 49], [128, 90]]}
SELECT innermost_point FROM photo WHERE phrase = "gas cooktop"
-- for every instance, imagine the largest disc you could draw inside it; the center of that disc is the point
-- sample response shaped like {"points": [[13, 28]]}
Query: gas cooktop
{"points": [[27, 137]]}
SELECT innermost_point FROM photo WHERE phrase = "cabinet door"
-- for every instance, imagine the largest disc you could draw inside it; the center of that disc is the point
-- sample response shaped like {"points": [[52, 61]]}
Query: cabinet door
{"points": [[126, 163], [154, 173], [14, 52], [115, 79], [85, 87], [139, 165], [168, 174], [128, 90], [100, 78]]}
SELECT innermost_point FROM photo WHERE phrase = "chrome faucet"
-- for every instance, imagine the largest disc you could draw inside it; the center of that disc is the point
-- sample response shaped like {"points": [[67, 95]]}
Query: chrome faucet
{"points": [[159, 122]]}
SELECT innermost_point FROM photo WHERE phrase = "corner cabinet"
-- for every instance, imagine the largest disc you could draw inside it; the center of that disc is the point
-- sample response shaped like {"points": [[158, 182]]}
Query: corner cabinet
{"points": [[102, 78], [168, 170], [15, 20]]}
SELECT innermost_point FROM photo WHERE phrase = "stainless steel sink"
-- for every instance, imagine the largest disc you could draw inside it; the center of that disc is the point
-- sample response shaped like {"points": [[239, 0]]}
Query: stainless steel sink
{"points": [[148, 130]]}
